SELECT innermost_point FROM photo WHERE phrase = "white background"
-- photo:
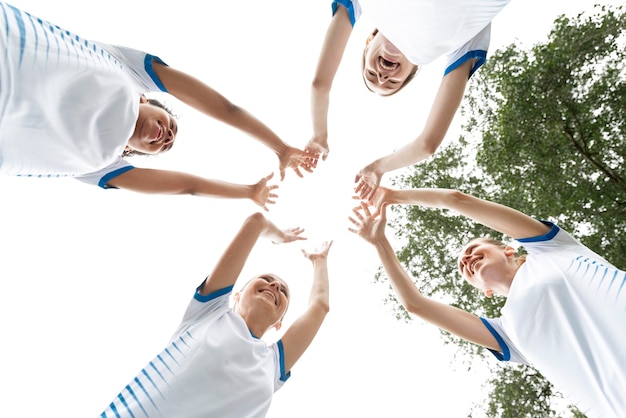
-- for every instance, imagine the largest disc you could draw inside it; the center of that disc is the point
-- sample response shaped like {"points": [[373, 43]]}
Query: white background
{"points": [[94, 282]]}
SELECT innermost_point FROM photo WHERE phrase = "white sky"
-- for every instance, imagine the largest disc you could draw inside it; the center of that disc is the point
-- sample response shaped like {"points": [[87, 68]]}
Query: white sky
{"points": [[94, 282]]}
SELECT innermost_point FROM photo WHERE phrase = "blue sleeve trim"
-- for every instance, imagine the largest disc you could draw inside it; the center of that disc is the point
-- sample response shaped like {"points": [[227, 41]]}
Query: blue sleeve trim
{"points": [[545, 237], [107, 177], [349, 6], [147, 63], [506, 353], [211, 296], [479, 55], [281, 351]]}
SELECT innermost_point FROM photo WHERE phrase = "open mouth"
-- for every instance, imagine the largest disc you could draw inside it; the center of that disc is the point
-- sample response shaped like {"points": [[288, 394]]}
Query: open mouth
{"points": [[386, 64]]}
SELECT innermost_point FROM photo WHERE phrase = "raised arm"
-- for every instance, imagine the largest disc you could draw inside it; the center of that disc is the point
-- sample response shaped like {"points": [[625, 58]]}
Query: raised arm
{"points": [[442, 112], [144, 180], [456, 321], [335, 42], [232, 261], [498, 217], [300, 334], [203, 98]]}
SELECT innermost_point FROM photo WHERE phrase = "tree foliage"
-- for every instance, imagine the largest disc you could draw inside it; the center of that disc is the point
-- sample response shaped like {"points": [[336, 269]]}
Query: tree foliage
{"points": [[544, 133]]}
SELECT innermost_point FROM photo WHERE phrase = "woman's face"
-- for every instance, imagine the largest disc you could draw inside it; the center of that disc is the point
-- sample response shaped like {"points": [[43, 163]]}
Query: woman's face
{"points": [[155, 130], [384, 67], [265, 293], [487, 266]]}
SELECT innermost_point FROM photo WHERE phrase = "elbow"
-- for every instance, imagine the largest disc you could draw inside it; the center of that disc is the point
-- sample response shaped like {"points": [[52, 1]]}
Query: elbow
{"points": [[412, 308], [320, 86], [458, 197], [321, 306], [256, 220], [429, 148]]}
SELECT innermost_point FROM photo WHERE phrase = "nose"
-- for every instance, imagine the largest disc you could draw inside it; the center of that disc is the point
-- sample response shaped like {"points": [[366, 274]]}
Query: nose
{"points": [[169, 136], [382, 77]]}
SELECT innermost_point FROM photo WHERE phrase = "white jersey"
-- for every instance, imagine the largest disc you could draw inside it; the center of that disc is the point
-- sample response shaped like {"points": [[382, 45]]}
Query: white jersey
{"points": [[212, 367], [566, 316], [67, 105], [425, 30]]}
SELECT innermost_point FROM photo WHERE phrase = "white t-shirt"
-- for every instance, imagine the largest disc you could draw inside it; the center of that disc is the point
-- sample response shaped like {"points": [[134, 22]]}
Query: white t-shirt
{"points": [[566, 316], [67, 105], [425, 30], [212, 367]]}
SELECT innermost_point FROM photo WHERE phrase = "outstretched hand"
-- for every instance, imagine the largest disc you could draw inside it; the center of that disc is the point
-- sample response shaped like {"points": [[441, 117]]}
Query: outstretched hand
{"points": [[367, 181], [380, 196], [369, 227], [317, 148], [297, 160], [320, 252], [284, 236], [262, 194]]}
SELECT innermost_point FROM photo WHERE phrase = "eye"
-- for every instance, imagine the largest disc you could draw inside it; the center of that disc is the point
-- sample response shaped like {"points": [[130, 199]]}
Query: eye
{"points": [[267, 279], [284, 290]]}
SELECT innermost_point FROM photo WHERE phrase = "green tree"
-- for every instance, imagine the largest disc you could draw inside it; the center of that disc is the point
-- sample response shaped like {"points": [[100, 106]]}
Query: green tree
{"points": [[544, 133]]}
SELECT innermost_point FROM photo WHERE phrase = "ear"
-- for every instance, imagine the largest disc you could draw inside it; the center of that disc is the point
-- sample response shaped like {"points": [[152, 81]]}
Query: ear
{"points": [[278, 325], [488, 293], [369, 38], [236, 296], [509, 251], [143, 99]]}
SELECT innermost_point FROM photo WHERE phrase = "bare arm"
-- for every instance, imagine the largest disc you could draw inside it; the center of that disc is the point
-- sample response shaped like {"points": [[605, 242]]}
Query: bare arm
{"points": [[301, 333], [442, 112], [335, 42], [498, 217], [456, 321], [152, 181], [203, 98], [232, 261]]}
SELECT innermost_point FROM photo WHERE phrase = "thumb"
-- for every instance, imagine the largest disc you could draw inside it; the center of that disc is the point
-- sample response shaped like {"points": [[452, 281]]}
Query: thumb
{"points": [[383, 212]]}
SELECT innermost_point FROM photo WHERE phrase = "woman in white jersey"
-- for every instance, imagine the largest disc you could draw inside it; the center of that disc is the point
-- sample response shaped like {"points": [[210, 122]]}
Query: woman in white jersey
{"points": [[73, 107], [408, 34], [216, 364], [566, 305]]}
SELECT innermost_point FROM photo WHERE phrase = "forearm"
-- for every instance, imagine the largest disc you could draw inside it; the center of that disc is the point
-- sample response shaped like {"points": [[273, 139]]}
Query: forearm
{"points": [[249, 124], [404, 288], [177, 183], [205, 99], [498, 217], [320, 295], [409, 154], [319, 111]]}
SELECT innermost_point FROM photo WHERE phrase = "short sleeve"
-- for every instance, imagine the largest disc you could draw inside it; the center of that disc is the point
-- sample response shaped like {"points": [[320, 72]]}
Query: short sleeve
{"points": [[101, 177], [476, 49]]}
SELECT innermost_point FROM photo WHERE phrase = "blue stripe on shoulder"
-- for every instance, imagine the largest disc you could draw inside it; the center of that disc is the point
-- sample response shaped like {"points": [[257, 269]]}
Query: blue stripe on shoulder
{"points": [[211, 296], [545, 237], [281, 350], [349, 7], [106, 178], [147, 63], [506, 354], [479, 55]]}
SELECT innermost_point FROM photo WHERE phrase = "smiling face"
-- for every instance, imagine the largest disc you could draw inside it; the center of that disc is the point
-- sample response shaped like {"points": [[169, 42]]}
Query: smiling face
{"points": [[488, 266], [266, 295], [385, 68], [155, 130]]}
